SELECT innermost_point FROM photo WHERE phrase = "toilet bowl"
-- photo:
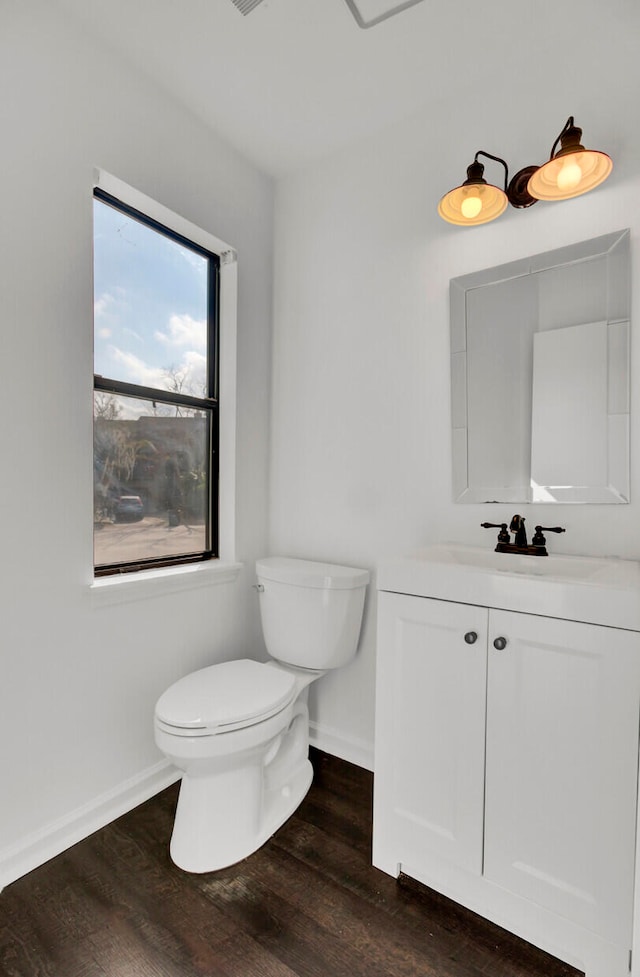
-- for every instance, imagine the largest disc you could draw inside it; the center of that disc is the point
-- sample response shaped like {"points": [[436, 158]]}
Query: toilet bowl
{"points": [[239, 730]]}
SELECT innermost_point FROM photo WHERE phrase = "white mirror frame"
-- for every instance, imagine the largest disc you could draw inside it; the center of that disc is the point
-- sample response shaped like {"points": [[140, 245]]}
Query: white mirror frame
{"points": [[590, 285]]}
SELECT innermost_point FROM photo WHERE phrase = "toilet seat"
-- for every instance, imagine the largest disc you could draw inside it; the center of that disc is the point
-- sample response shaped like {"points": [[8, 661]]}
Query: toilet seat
{"points": [[224, 697]]}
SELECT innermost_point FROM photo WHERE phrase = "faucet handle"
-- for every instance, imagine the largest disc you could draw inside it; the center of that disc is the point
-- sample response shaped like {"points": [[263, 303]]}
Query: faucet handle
{"points": [[503, 535], [539, 540]]}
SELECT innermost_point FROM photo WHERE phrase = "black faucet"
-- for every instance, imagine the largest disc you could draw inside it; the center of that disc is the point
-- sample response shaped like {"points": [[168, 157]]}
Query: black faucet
{"points": [[520, 544], [517, 527]]}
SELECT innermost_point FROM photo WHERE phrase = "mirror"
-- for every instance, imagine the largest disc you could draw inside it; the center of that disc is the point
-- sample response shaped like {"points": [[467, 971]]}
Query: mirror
{"points": [[540, 377]]}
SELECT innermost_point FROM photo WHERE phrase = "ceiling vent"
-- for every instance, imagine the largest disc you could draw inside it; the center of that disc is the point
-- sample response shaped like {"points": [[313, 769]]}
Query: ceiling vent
{"points": [[246, 6]]}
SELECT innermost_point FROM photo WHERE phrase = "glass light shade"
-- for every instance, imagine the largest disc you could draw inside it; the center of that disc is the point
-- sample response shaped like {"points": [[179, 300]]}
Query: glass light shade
{"points": [[473, 203], [570, 174]]}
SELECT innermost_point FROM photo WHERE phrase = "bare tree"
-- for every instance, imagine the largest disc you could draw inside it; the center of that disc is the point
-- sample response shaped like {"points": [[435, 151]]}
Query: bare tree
{"points": [[180, 380], [106, 406]]}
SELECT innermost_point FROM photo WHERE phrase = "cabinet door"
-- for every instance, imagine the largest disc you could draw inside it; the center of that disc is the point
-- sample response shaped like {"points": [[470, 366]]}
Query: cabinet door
{"points": [[562, 760], [430, 728]]}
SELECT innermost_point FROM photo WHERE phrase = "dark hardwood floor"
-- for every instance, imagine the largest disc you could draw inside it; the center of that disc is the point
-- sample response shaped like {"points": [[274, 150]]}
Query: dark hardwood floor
{"points": [[308, 904]]}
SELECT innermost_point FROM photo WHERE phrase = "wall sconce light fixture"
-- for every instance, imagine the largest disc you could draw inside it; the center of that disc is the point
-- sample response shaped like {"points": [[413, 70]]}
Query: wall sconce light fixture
{"points": [[570, 171]]}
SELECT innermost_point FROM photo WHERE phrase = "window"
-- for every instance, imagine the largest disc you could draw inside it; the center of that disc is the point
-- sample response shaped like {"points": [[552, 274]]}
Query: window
{"points": [[156, 432]]}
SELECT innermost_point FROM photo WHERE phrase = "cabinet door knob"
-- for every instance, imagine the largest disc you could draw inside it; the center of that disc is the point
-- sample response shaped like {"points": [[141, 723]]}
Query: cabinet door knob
{"points": [[471, 637], [500, 643]]}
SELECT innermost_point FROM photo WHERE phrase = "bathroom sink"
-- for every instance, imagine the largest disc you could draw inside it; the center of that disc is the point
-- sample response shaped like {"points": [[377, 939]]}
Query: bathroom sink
{"points": [[559, 567], [595, 590]]}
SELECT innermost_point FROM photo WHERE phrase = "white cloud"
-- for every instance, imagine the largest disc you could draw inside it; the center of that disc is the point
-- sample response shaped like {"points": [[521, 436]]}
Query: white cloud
{"points": [[183, 330], [190, 372], [102, 305], [195, 361], [109, 305], [196, 366], [137, 371]]}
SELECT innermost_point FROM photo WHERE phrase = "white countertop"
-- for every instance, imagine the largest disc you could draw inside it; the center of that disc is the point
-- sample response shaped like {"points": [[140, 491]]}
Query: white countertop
{"points": [[595, 590]]}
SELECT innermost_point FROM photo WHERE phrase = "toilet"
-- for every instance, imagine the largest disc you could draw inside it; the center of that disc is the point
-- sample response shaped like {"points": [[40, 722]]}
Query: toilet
{"points": [[239, 730]]}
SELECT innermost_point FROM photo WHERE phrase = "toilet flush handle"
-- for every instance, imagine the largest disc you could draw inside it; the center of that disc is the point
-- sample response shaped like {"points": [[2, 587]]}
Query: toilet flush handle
{"points": [[258, 587]]}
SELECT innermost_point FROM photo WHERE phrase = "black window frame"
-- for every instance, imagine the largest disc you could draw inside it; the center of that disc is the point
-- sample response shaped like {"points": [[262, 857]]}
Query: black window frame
{"points": [[208, 404]]}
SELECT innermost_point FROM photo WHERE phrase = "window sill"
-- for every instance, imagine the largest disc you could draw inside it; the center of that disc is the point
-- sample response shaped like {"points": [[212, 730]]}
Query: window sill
{"points": [[126, 587]]}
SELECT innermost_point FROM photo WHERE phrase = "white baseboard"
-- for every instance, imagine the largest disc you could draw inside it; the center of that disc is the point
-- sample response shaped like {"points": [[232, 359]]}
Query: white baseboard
{"points": [[37, 848], [335, 742]]}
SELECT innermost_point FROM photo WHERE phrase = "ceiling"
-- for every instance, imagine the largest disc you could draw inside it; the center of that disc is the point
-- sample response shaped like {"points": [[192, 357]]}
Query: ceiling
{"points": [[296, 80]]}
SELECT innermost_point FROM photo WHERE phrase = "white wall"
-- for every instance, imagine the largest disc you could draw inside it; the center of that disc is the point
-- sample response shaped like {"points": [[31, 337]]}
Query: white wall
{"points": [[361, 451], [79, 681]]}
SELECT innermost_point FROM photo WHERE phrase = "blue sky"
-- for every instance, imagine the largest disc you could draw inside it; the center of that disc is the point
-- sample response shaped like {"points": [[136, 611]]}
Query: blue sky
{"points": [[150, 304]]}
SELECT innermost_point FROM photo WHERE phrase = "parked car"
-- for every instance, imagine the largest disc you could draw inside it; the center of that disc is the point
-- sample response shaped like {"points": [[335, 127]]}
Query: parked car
{"points": [[129, 508]]}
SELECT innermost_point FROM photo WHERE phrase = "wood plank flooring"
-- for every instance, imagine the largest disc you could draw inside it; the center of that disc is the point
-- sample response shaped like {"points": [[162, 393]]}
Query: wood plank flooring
{"points": [[308, 904]]}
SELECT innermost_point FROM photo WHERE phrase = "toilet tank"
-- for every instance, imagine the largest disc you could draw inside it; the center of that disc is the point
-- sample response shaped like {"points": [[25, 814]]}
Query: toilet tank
{"points": [[311, 612]]}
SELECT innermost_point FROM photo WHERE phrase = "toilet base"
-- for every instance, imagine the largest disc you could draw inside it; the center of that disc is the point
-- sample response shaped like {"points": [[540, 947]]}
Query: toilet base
{"points": [[216, 819], [238, 787]]}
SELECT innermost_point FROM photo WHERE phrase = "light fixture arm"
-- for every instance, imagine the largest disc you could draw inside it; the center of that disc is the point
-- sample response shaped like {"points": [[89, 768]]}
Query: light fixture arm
{"points": [[481, 152], [516, 190], [568, 124]]}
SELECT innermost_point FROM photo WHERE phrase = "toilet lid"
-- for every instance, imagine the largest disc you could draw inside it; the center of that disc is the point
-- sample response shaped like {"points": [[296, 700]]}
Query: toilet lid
{"points": [[228, 694]]}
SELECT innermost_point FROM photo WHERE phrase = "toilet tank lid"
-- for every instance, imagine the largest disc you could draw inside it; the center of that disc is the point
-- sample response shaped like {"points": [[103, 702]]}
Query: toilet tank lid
{"points": [[308, 573], [226, 694]]}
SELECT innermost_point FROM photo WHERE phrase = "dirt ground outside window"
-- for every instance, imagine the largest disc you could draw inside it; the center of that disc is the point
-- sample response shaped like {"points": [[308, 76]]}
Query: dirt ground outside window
{"points": [[149, 539]]}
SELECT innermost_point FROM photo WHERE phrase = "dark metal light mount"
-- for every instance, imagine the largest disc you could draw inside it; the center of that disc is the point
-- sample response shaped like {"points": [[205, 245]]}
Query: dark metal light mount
{"points": [[518, 192], [516, 188]]}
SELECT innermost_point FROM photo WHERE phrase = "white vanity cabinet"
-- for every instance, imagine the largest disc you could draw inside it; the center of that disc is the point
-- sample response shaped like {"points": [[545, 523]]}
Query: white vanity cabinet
{"points": [[506, 769]]}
